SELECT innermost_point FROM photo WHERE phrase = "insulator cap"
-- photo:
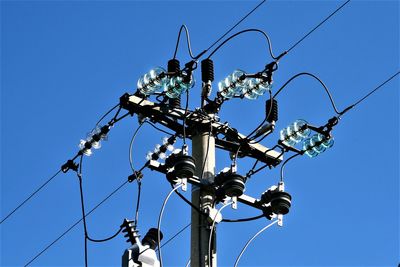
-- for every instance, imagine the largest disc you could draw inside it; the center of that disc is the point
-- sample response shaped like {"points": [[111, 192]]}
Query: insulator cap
{"points": [[184, 167], [151, 238], [280, 202], [232, 184], [207, 70], [174, 65], [271, 112]]}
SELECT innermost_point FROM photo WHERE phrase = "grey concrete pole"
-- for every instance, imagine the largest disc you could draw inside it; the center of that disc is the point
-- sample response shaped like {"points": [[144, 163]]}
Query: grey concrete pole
{"points": [[200, 229]]}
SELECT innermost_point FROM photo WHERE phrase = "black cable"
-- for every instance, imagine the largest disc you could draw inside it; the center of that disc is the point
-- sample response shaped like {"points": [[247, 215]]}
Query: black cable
{"points": [[184, 117], [315, 77], [238, 33], [105, 115], [234, 26], [367, 95], [316, 27], [284, 163], [76, 223], [187, 40], [131, 146], [30, 196], [79, 174], [161, 130], [139, 183], [244, 219], [206, 156]]}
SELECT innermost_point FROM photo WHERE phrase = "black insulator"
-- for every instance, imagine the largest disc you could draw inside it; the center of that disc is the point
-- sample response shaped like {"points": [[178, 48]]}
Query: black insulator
{"points": [[151, 238], [174, 66], [271, 112], [129, 229], [184, 166], [207, 70], [232, 184], [280, 202]]}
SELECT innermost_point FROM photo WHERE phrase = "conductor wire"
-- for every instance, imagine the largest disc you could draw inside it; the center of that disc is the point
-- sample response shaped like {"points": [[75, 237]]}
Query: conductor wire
{"points": [[159, 221], [251, 240], [212, 231]]}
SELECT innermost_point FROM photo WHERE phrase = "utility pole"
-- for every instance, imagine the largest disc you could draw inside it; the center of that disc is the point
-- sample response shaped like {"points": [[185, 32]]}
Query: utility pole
{"points": [[204, 154]]}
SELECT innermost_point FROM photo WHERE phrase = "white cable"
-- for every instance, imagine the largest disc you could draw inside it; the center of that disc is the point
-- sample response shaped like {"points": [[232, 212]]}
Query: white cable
{"points": [[188, 263], [251, 239], [159, 221], [212, 230]]}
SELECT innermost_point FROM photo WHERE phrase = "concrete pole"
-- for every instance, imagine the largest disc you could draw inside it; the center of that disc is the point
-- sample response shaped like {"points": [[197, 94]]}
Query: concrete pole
{"points": [[200, 229]]}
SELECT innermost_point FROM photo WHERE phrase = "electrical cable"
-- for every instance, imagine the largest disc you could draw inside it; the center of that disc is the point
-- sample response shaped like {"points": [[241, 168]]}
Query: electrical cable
{"points": [[370, 93], [212, 231], [184, 117], [131, 146], [284, 163], [30, 196], [187, 40], [188, 263], [315, 77], [159, 221], [316, 27], [79, 174], [244, 31], [76, 223], [244, 219], [105, 115], [234, 26], [251, 239], [206, 156], [139, 183], [159, 129]]}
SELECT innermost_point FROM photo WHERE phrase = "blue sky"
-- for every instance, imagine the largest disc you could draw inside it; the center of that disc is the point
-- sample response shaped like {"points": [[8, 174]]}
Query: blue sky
{"points": [[64, 63]]}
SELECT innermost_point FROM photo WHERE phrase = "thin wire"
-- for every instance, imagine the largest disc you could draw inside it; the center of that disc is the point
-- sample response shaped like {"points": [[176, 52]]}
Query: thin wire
{"points": [[316, 27], [76, 223], [131, 146], [159, 129], [370, 93], [184, 117], [206, 156], [30, 196], [187, 40], [79, 174], [234, 26], [105, 115], [318, 79], [251, 239], [244, 31], [188, 263], [139, 183], [284, 163], [244, 219], [159, 221], [212, 231]]}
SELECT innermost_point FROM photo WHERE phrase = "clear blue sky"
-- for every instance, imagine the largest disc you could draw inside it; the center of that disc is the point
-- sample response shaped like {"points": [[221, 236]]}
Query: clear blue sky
{"points": [[64, 63]]}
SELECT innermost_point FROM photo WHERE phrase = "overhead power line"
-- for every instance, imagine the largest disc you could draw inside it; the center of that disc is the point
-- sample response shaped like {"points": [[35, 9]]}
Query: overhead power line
{"points": [[30, 196], [316, 27], [76, 223]]}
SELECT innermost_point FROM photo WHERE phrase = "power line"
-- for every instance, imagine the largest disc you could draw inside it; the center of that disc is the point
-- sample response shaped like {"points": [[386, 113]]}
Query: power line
{"points": [[369, 94], [187, 41], [316, 27], [30, 196], [234, 26], [76, 223]]}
